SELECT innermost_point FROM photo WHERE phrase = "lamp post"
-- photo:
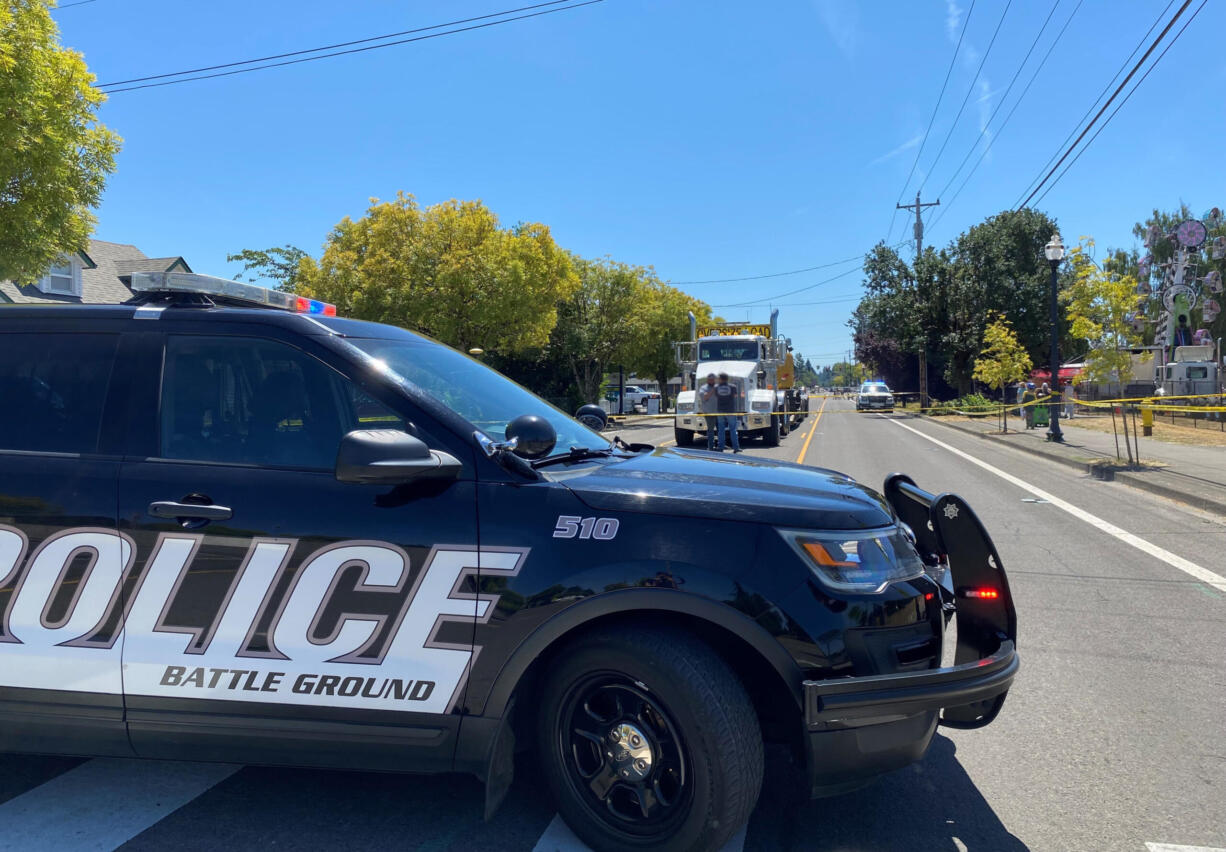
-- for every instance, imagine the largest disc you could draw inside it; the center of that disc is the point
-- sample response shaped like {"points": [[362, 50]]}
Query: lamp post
{"points": [[1054, 252]]}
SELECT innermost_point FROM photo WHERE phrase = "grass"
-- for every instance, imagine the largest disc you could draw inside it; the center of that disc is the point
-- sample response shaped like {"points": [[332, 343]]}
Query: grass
{"points": [[1206, 433]]}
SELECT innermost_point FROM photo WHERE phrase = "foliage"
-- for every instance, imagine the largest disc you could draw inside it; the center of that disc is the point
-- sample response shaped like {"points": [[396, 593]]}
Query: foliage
{"points": [[664, 319], [54, 155], [1100, 305], [972, 404], [283, 266], [1003, 360], [448, 270], [943, 302], [1166, 222]]}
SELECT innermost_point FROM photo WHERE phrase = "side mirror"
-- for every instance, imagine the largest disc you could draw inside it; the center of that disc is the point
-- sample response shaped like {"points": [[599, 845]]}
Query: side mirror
{"points": [[593, 417], [391, 457], [534, 436], [761, 375]]}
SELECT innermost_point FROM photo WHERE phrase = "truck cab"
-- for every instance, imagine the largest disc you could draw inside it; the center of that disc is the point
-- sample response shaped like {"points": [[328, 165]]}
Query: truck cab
{"points": [[1194, 372]]}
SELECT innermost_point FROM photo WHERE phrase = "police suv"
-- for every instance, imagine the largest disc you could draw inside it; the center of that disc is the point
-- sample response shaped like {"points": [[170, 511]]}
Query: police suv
{"points": [[236, 527]]}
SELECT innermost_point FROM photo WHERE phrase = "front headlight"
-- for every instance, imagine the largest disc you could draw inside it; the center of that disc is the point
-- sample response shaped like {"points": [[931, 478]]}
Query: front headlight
{"points": [[862, 562], [764, 405], [685, 408]]}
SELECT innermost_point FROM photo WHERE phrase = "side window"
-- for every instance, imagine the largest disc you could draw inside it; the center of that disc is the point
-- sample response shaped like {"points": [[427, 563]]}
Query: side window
{"points": [[363, 412], [53, 387], [248, 401]]}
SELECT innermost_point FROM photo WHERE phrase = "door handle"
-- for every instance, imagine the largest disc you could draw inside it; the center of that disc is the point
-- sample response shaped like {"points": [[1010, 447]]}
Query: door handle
{"points": [[171, 509]]}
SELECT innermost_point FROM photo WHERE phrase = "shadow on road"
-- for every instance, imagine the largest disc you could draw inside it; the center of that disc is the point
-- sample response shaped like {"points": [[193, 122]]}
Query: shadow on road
{"points": [[925, 806]]}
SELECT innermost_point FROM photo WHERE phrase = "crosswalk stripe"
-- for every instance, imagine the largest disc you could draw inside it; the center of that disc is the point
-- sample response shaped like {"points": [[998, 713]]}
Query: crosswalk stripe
{"points": [[559, 838], [102, 804]]}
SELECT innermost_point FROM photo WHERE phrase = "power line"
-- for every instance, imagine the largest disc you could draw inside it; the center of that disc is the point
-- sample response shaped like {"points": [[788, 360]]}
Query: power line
{"points": [[1131, 92], [769, 275], [768, 299], [1114, 94], [1012, 110], [327, 46], [1101, 94], [970, 89], [794, 304], [933, 118], [352, 50], [70, 5], [1002, 100]]}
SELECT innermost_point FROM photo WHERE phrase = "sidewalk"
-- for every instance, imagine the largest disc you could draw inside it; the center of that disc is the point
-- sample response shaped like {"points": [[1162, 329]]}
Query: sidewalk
{"points": [[1189, 474]]}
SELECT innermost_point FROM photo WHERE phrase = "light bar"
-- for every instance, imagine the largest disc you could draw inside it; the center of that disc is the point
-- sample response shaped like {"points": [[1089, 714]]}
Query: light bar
{"points": [[208, 285]]}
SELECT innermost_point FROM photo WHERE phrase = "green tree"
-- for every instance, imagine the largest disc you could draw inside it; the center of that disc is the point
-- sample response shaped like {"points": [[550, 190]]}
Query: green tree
{"points": [[664, 321], [600, 325], [1003, 360], [283, 266], [449, 270], [1100, 308], [54, 155]]}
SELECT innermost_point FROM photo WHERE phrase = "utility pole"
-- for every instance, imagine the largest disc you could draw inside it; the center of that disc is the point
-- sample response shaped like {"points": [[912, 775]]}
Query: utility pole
{"points": [[919, 250]]}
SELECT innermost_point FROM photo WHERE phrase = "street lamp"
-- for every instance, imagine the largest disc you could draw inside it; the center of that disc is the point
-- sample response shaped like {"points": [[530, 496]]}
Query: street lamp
{"points": [[1054, 252]]}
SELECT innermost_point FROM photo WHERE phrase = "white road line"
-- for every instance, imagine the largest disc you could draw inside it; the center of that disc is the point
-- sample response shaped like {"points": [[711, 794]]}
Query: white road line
{"points": [[1203, 574], [559, 838], [1174, 847], [102, 804]]}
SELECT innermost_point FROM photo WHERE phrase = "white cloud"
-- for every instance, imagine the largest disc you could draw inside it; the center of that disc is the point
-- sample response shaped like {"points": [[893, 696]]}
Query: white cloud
{"points": [[953, 18], [840, 20], [906, 146]]}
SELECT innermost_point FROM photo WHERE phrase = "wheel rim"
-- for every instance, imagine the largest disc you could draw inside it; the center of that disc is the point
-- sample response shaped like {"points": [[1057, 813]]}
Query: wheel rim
{"points": [[624, 756]]}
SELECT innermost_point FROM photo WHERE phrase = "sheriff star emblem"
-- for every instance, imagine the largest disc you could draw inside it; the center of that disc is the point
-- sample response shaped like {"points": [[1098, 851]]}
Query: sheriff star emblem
{"points": [[951, 511]]}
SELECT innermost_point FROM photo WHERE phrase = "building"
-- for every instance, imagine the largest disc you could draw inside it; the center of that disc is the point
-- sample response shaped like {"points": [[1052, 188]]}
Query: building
{"points": [[99, 274]]}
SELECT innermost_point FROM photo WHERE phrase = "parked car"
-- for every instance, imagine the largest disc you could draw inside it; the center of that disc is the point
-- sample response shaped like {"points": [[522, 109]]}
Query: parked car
{"points": [[635, 397], [874, 395]]}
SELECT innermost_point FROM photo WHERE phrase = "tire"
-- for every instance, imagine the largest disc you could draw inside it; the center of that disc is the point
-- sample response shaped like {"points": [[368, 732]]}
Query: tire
{"points": [[770, 436], [683, 437], [703, 744]]}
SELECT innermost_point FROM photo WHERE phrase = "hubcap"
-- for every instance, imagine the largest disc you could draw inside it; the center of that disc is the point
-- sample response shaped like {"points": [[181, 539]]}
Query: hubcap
{"points": [[624, 756]]}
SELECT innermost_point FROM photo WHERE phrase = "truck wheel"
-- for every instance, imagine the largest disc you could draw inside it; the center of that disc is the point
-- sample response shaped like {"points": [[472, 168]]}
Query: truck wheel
{"points": [[770, 436], [683, 437], [649, 742]]}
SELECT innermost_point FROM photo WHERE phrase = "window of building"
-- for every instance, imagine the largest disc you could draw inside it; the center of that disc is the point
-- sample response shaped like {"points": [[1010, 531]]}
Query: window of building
{"points": [[63, 279], [53, 387]]}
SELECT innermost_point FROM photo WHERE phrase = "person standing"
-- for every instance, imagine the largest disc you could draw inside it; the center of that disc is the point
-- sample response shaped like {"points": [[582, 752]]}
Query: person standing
{"points": [[728, 403], [1028, 398], [709, 409]]}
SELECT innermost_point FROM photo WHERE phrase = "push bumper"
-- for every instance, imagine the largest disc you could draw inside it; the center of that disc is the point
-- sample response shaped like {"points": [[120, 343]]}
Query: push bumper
{"points": [[858, 727]]}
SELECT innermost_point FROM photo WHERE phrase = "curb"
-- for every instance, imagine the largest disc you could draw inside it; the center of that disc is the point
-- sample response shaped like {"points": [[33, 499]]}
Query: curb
{"points": [[1133, 479]]}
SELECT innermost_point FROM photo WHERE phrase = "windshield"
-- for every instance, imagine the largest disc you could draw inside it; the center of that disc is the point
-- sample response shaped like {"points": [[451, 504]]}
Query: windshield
{"points": [[484, 397], [728, 350]]}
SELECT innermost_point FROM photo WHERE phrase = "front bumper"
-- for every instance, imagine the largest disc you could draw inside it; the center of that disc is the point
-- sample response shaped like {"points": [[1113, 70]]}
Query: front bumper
{"points": [[875, 403]]}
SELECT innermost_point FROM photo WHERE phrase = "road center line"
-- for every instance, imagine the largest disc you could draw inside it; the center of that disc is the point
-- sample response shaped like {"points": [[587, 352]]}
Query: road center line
{"points": [[812, 430], [103, 803], [1203, 574]]}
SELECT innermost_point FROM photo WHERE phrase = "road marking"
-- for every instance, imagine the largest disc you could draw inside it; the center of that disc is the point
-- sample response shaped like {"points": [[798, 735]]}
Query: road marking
{"points": [[1203, 574], [812, 431], [559, 838], [103, 803], [1174, 847]]}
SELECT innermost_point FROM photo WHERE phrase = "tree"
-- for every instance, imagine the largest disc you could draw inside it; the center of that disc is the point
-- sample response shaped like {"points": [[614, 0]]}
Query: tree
{"points": [[1100, 308], [600, 325], [284, 265], [665, 320], [448, 270], [1002, 361], [54, 155]]}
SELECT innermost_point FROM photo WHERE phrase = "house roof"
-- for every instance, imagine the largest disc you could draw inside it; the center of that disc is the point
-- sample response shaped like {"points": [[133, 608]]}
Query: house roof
{"points": [[105, 272]]}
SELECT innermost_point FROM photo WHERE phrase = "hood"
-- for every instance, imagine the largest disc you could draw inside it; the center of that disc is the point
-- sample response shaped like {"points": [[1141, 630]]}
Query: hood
{"points": [[699, 484], [734, 369]]}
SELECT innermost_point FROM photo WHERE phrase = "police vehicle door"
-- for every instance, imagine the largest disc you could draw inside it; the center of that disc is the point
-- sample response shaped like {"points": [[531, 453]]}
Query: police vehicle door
{"points": [[61, 560], [284, 616]]}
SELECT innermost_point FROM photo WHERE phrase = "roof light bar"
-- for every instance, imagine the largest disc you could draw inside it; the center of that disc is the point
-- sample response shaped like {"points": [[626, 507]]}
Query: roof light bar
{"points": [[208, 285]]}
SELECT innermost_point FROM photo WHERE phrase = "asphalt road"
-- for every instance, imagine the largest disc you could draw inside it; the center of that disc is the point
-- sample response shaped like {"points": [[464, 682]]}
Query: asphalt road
{"points": [[1112, 737]]}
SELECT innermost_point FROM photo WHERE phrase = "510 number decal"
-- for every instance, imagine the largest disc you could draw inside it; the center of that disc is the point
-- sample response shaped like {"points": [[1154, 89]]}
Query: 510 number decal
{"points": [[573, 526]]}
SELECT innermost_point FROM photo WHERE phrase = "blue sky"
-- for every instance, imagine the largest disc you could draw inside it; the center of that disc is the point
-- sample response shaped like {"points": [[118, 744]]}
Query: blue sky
{"points": [[710, 140]]}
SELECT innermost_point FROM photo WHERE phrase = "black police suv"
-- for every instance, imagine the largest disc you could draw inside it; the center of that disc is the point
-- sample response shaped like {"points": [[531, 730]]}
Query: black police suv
{"points": [[238, 533]]}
